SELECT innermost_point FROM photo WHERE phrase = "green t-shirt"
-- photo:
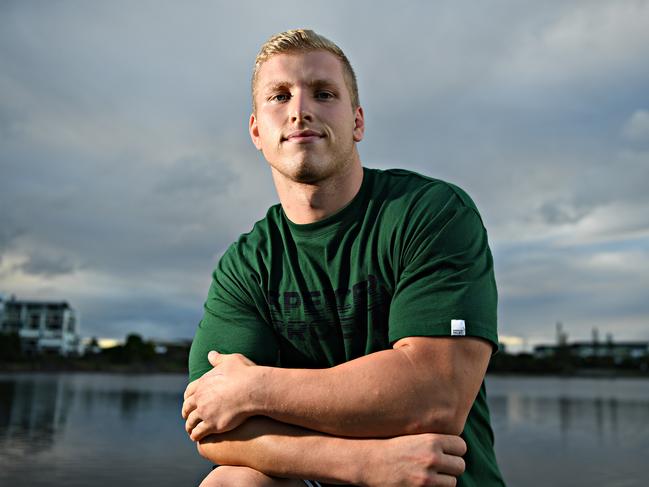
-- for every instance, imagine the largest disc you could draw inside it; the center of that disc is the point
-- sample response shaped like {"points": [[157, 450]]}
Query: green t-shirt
{"points": [[408, 256]]}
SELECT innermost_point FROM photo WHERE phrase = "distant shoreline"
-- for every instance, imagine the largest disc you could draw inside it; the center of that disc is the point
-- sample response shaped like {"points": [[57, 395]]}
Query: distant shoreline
{"points": [[580, 374], [156, 368], [39, 367]]}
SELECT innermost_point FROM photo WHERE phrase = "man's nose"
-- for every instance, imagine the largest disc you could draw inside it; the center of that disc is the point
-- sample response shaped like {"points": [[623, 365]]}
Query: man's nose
{"points": [[300, 108]]}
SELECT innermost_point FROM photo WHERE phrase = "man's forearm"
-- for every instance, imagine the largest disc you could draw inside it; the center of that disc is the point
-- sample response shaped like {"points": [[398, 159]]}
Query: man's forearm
{"points": [[388, 393], [370, 396], [287, 451]]}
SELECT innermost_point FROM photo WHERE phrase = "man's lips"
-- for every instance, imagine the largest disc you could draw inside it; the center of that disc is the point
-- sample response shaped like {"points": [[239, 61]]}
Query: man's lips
{"points": [[303, 136]]}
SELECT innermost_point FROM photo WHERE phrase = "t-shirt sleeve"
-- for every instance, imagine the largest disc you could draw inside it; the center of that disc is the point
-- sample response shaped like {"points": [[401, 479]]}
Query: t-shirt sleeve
{"points": [[232, 322], [446, 286]]}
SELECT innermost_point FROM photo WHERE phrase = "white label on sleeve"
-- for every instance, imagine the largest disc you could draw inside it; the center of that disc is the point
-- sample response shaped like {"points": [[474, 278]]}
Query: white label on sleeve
{"points": [[458, 328]]}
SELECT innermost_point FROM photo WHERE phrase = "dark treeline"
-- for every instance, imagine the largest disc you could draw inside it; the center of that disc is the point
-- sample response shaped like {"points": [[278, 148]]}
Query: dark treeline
{"points": [[135, 355], [565, 363], [138, 355]]}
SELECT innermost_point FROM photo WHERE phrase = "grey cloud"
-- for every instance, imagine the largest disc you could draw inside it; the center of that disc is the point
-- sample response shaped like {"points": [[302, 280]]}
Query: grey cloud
{"points": [[40, 265], [637, 127], [620, 177], [8, 234], [196, 174], [556, 213]]}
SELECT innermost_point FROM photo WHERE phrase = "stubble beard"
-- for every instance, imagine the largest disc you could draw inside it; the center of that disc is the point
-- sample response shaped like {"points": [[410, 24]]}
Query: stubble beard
{"points": [[311, 169]]}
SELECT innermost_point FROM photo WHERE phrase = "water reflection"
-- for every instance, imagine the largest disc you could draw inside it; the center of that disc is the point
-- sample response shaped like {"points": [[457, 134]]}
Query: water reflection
{"points": [[32, 415], [95, 429], [34, 410], [104, 429], [571, 432], [129, 402], [6, 398], [567, 416]]}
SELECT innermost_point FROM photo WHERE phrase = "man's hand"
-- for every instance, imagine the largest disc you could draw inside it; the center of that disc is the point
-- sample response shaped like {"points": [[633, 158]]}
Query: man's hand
{"points": [[412, 460], [222, 398]]}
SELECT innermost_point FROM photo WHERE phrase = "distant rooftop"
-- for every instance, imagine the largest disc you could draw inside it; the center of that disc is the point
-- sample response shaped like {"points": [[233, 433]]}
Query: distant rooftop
{"points": [[33, 302]]}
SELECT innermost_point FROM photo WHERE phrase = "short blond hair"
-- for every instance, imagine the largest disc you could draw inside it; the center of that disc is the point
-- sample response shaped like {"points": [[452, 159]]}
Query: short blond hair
{"points": [[304, 40]]}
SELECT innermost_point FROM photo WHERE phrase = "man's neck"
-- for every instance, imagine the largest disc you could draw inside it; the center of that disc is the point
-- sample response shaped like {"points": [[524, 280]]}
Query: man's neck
{"points": [[308, 203]]}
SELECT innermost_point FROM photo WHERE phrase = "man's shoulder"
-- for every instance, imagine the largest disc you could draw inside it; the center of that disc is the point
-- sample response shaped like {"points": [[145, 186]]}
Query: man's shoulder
{"points": [[405, 186], [252, 243]]}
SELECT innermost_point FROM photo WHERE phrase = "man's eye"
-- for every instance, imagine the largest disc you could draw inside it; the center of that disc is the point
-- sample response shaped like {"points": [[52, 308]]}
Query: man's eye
{"points": [[280, 97], [324, 95]]}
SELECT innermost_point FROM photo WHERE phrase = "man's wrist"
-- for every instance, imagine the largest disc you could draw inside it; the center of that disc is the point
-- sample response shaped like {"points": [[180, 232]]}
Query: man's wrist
{"points": [[260, 396], [363, 465]]}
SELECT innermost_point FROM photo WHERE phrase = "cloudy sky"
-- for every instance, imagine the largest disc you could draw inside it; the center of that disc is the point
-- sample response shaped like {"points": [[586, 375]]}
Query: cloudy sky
{"points": [[126, 167]]}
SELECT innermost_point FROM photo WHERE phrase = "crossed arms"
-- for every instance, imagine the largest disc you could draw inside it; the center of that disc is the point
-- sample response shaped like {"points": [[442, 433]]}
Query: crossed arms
{"points": [[377, 420]]}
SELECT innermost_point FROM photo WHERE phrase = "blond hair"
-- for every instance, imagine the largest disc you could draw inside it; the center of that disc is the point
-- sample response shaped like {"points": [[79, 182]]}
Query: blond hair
{"points": [[304, 40]]}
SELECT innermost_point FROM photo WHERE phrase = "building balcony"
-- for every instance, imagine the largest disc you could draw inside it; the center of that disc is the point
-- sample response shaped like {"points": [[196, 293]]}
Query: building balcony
{"points": [[29, 333]]}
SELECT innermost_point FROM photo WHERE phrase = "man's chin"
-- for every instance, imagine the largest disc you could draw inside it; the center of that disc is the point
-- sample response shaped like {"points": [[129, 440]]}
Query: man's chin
{"points": [[309, 177], [306, 172]]}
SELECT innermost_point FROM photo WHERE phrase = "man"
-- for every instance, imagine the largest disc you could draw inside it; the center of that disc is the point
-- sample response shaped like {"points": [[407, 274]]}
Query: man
{"points": [[346, 337]]}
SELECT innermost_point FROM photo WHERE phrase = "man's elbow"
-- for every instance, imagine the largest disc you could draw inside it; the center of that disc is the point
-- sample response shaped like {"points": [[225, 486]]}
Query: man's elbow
{"points": [[202, 451], [209, 449], [447, 420]]}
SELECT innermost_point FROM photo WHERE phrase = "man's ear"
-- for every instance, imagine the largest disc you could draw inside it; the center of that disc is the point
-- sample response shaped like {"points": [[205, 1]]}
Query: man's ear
{"points": [[359, 124], [254, 131]]}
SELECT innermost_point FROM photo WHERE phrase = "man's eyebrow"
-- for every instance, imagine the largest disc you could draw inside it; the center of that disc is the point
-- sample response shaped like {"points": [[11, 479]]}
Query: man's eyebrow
{"points": [[276, 85], [315, 83], [319, 83]]}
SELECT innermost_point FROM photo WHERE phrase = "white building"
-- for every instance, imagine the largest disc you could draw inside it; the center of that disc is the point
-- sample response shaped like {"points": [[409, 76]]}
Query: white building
{"points": [[43, 326]]}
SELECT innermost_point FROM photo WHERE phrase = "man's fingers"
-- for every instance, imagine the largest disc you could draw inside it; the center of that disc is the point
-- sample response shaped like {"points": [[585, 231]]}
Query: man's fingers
{"points": [[442, 480], [190, 389], [192, 421], [453, 445], [214, 358], [188, 406], [451, 465], [201, 430]]}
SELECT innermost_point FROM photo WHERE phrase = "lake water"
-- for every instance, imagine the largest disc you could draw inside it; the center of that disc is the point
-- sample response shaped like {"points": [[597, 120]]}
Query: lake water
{"points": [[105, 430]]}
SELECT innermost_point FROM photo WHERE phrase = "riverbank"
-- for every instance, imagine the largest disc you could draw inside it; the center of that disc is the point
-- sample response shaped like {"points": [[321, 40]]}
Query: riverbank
{"points": [[578, 373], [58, 364]]}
